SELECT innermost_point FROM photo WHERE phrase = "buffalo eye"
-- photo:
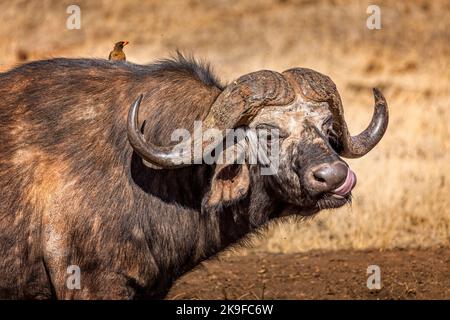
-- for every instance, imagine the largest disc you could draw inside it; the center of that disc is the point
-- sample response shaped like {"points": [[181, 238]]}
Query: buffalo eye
{"points": [[327, 125], [270, 129], [330, 134]]}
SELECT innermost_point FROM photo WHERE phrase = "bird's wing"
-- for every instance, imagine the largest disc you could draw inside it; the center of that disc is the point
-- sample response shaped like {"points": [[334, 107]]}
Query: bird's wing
{"points": [[117, 56]]}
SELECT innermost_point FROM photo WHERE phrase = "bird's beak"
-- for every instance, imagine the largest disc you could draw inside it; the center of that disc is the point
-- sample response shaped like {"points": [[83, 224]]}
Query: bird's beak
{"points": [[125, 43]]}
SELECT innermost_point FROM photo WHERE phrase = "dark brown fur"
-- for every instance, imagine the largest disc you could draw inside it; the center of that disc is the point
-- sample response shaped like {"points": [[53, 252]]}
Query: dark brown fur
{"points": [[73, 193]]}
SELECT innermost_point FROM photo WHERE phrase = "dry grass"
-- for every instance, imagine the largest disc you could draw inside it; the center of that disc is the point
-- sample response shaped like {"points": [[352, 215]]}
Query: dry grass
{"points": [[402, 197]]}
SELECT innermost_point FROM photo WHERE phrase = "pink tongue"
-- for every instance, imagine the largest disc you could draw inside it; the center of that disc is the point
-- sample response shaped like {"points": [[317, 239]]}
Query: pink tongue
{"points": [[348, 184]]}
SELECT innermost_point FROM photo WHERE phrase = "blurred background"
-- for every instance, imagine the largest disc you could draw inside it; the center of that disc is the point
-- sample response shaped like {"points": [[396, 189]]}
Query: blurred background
{"points": [[402, 198]]}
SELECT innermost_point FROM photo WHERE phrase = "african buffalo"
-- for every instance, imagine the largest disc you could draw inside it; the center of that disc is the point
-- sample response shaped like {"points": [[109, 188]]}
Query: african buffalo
{"points": [[89, 176]]}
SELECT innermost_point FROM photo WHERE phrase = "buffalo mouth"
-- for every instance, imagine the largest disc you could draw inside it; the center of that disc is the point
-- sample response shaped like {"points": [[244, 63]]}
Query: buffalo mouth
{"points": [[339, 196], [335, 198], [328, 201]]}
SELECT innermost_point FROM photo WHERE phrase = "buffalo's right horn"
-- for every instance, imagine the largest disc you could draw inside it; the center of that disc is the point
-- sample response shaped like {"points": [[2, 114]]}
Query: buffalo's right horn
{"points": [[320, 88], [357, 146]]}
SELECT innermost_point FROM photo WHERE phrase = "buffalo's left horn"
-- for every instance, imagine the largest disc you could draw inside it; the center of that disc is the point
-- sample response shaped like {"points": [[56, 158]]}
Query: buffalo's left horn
{"points": [[162, 157], [237, 105]]}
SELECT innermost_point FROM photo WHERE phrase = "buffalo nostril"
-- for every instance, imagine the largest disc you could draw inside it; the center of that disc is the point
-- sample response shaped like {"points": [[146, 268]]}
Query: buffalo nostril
{"points": [[331, 175], [319, 176]]}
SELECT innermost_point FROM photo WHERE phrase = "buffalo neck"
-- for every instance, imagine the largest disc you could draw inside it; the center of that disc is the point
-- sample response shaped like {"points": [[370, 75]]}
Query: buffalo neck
{"points": [[180, 231]]}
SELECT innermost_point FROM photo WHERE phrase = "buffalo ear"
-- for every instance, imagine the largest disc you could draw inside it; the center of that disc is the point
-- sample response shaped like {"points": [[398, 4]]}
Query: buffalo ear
{"points": [[229, 184]]}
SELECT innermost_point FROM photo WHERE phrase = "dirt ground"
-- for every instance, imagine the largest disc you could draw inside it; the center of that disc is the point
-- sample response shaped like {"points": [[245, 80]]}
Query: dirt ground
{"points": [[405, 274]]}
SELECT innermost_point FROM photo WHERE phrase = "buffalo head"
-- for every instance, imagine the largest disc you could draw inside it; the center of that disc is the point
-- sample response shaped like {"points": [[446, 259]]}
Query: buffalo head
{"points": [[304, 108]]}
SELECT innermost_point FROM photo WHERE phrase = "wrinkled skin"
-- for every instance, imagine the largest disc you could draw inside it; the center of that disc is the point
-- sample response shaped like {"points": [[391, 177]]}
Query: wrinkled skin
{"points": [[301, 148]]}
